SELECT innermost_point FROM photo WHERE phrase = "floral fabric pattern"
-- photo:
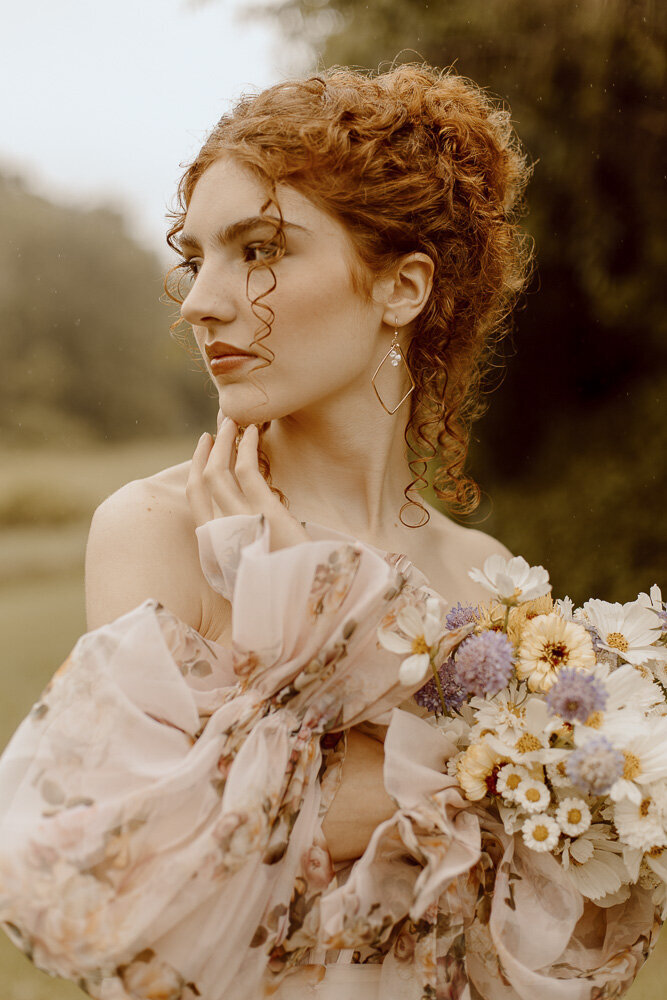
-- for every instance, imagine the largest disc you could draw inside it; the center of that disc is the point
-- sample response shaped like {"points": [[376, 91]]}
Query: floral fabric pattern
{"points": [[161, 810]]}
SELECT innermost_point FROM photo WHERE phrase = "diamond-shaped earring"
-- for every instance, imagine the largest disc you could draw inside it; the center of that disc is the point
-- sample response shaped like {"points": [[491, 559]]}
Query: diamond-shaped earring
{"points": [[395, 356]]}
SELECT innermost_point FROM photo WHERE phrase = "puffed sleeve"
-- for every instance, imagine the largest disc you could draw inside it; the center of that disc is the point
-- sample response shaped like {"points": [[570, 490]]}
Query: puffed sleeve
{"points": [[452, 905], [161, 806]]}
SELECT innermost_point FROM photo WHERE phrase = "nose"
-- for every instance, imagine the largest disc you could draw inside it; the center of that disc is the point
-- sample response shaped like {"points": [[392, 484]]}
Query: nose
{"points": [[209, 300]]}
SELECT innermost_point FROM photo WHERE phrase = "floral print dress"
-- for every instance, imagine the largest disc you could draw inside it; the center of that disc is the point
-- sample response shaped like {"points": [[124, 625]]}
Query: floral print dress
{"points": [[161, 811]]}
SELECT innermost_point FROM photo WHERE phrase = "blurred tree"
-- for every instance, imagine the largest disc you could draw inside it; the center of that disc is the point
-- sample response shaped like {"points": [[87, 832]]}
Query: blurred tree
{"points": [[572, 450], [85, 338], [586, 83]]}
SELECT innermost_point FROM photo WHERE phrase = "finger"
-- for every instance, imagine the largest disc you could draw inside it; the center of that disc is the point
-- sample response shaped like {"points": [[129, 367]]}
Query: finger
{"points": [[196, 491], [219, 472], [251, 481]]}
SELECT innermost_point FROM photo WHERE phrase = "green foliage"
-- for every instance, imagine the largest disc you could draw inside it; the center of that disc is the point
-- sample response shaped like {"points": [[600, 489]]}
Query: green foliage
{"points": [[85, 343]]}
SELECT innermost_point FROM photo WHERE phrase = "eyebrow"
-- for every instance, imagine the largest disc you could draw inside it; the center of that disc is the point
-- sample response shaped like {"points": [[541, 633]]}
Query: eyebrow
{"points": [[227, 234]]}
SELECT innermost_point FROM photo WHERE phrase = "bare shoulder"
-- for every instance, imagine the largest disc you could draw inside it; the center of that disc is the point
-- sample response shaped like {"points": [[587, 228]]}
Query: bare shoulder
{"points": [[454, 550], [142, 544]]}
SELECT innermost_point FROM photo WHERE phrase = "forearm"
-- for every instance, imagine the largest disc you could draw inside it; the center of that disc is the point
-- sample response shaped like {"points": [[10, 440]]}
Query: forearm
{"points": [[361, 802]]}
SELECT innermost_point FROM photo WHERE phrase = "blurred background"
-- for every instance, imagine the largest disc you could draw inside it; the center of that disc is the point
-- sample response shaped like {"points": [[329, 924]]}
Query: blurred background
{"points": [[107, 100]]}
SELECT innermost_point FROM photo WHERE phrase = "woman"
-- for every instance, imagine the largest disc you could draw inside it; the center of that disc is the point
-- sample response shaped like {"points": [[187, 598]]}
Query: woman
{"points": [[200, 804]]}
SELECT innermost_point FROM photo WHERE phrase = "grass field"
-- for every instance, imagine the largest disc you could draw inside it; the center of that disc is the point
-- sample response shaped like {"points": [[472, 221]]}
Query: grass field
{"points": [[42, 614]]}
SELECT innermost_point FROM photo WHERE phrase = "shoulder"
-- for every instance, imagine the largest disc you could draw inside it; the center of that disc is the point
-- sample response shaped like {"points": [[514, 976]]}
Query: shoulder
{"points": [[456, 549], [142, 544]]}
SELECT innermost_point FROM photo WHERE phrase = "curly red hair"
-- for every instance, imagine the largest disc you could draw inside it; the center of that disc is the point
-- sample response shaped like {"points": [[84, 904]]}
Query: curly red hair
{"points": [[414, 159]]}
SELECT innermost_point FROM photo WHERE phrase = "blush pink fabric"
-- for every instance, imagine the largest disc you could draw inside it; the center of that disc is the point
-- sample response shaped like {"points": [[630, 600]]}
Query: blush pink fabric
{"points": [[161, 811]]}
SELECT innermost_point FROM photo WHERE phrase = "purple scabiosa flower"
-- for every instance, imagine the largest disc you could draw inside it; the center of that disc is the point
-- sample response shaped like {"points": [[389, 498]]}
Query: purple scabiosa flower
{"points": [[462, 614], [484, 663], [575, 695], [595, 766], [454, 694]]}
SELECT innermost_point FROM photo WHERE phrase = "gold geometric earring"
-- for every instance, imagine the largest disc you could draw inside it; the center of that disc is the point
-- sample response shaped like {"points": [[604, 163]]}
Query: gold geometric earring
{"points": [[395, 356]]}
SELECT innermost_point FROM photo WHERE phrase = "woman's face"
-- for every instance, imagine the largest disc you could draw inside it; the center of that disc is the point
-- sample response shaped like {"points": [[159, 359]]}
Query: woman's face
{"points": [[326, 337]]}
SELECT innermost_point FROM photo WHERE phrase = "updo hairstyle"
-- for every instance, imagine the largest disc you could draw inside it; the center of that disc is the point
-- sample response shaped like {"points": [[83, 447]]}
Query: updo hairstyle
{"points": [[414, 159]]}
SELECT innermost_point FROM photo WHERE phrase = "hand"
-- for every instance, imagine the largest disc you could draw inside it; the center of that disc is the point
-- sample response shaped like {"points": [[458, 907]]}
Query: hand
{"points": [[224, 481]]}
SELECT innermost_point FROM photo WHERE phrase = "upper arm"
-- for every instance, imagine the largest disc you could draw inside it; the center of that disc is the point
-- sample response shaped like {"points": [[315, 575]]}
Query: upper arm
{"points": [[140, 547]]}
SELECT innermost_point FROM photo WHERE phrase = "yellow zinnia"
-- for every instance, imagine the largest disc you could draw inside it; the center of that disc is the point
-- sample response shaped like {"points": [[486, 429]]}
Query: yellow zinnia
{"points": [[549, 643]]}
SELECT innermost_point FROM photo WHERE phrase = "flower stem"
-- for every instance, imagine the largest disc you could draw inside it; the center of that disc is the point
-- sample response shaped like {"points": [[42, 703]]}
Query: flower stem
{"points": [[507, 618], [439, 687]]}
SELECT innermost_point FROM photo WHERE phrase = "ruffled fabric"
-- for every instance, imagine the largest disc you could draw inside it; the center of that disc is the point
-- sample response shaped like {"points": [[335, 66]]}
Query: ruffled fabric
{"points": [[161, 806], [161, 811]]}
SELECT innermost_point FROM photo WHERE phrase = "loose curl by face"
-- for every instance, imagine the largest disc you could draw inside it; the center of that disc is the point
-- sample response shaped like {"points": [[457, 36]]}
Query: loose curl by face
{"points": [[415, 159]]}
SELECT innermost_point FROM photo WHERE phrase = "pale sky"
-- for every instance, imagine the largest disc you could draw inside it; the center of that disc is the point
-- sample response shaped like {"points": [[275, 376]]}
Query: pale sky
{"points": [[102, 99]]}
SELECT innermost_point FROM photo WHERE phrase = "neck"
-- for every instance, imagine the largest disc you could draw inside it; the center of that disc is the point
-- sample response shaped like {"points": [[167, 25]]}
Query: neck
{"points": [[342, 464]]}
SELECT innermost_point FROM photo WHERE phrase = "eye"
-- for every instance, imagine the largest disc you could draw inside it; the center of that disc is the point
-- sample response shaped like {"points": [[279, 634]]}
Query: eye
{"points": [[190, 266], [265, 251]]}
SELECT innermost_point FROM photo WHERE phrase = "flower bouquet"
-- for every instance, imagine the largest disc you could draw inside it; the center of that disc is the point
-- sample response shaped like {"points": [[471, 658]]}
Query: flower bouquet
{"points": [[559, 716]]}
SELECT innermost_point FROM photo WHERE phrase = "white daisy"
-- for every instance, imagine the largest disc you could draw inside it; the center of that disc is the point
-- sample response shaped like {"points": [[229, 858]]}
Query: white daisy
{"points": [[509, 778], [630, 629], [502, 713], [423, 630], [533, 796], [532, 745], [593, 862], [642, 824], [573, 816], [513, 581], [540, 832]]}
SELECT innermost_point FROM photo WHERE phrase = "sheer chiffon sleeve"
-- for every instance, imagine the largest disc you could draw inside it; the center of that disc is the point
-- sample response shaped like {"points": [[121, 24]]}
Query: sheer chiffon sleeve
{"points": [[161, 806]]}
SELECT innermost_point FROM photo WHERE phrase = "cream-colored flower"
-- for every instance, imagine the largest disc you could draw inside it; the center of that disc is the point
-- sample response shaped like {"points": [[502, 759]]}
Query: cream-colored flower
{"points": [[509, 778], [630, 630], [549, 643], [594, 862], [532, 796], [513, 580], [643, 824], [643, 743], [540, 832], [532, 745], [474, 767], [500, 713], [573, 816], [524, 613], [422, 634]]}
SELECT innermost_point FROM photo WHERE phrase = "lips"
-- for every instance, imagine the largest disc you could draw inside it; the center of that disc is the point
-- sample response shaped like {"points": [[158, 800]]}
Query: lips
{"points": [[220, 349]]}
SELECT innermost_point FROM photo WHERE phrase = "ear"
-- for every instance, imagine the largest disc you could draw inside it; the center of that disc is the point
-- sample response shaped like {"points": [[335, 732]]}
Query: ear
{"points": [[406, 291]]}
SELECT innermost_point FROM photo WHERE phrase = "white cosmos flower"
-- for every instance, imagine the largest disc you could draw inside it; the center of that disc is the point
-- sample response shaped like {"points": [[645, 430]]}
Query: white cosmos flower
{"points": [[629, 630], [532, 796], [513, 581], [423, 632], [643, 824], [644, 748], [540, 832], [653, 599], [573, 816], [594, 862]]}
